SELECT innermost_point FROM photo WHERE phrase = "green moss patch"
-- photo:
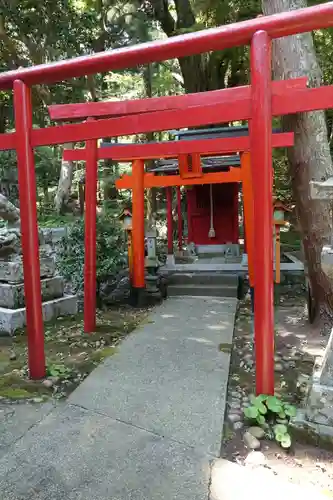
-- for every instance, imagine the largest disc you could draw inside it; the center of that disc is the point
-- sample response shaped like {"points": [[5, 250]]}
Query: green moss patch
{"points": [[70, 353]]}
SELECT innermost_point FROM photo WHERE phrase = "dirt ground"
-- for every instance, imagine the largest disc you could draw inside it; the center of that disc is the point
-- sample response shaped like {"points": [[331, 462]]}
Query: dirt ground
{"points": [[70, 355], [296, 347]]}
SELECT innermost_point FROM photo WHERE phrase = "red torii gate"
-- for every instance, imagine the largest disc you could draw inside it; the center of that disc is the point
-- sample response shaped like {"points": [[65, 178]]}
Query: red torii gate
{"points": [[260, 109]]}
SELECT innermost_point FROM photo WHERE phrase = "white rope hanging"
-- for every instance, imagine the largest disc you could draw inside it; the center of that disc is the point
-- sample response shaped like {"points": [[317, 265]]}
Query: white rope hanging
{"points": [[211, 233]]}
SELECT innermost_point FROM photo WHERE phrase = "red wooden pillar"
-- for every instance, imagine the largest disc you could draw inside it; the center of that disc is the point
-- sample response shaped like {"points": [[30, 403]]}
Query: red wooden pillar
{"points": [[180, 219], [169, 220], [29, 230], [261, 152], [138, 230], [90, 237]]}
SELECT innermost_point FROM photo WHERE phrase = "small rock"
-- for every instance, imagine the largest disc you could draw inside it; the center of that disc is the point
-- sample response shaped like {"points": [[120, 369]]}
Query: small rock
{"points": [[277, 358], [12, 356], [85, 344], [255, 458], [251, 441], [37, 400], [47, 383], [278, 367], [233, 417], [235, 395], [321, 466], [54, 380], [248, 356], [238, 426], [257, 432], [98, 344], [235, 405]]}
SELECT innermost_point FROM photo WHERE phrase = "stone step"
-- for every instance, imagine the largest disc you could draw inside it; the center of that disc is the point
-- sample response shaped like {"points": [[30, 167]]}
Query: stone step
{"points": [[11, 271], [202, 290], [14, 319], [12, 294], [203, 278]]}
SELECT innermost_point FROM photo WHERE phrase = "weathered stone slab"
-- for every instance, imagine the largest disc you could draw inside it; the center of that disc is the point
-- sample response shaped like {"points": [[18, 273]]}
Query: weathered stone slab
{"points": [[17, 419], [11, 271], [12, 294], [13, 319], [319, 408], [170, 377], [75, 454]]}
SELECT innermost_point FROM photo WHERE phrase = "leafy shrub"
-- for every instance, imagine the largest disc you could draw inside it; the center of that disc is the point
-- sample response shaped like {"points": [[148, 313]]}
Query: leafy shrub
{"points": [[111, 251], [273, 415]]}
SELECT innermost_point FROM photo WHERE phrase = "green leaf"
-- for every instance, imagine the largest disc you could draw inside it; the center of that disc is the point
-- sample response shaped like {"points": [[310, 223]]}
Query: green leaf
{"points": [[257, 402], [290, 410], [274, 404], [282, 414], [286, 441], [262, 398], [279, 437], [261, 420], [251, 412], [262, 409], [252, 398], [280, 429]]}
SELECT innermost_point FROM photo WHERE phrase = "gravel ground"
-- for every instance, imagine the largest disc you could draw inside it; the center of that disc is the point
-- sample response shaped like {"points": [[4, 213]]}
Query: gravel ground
{"points": [[296, 347]]}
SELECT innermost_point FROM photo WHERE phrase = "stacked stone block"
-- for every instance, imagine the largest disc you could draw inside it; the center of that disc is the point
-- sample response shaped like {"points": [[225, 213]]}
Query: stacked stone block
{"points": [[12, 300]]}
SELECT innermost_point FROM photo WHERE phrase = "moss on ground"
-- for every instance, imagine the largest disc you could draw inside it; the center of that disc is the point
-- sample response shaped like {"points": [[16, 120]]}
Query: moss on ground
{"points": [[70, 353]]}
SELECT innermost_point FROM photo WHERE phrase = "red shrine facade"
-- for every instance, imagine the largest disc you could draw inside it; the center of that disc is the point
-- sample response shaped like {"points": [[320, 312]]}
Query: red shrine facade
{"points": [[211, 209], [212, 214]]}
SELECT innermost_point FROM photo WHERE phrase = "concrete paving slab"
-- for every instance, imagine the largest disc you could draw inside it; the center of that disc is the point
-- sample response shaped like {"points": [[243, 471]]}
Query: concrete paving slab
{"points": [[170, 377], [75, 454], [17, 419]]}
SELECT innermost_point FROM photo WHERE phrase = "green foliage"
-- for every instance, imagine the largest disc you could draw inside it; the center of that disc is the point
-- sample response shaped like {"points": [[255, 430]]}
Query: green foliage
{"points": [[111, 250], [61, 371], [273, 415]]}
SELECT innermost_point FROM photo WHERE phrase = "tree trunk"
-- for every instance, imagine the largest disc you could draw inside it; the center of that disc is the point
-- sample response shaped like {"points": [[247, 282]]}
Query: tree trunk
{"points": [[309, 159], [8, 211], [65, 182], [194, 68]]}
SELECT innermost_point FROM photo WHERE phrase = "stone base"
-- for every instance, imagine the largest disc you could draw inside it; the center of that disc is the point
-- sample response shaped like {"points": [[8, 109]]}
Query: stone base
{"points": [[12, 271], [14, 319], [12, 294], [170, 260], [319, 407], [310, 432]]}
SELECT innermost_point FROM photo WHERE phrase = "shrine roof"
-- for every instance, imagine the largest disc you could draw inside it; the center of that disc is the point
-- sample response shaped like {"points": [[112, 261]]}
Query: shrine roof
{"points": [[219, 163], [210, 162]]}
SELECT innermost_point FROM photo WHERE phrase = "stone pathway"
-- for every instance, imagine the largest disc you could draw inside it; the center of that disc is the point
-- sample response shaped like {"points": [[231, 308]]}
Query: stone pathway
{"points": [[146, 424]]}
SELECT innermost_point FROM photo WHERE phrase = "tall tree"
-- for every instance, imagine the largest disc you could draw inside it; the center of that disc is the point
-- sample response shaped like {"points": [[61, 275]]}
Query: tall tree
{"points": [[204, 71], [309, 159]]}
